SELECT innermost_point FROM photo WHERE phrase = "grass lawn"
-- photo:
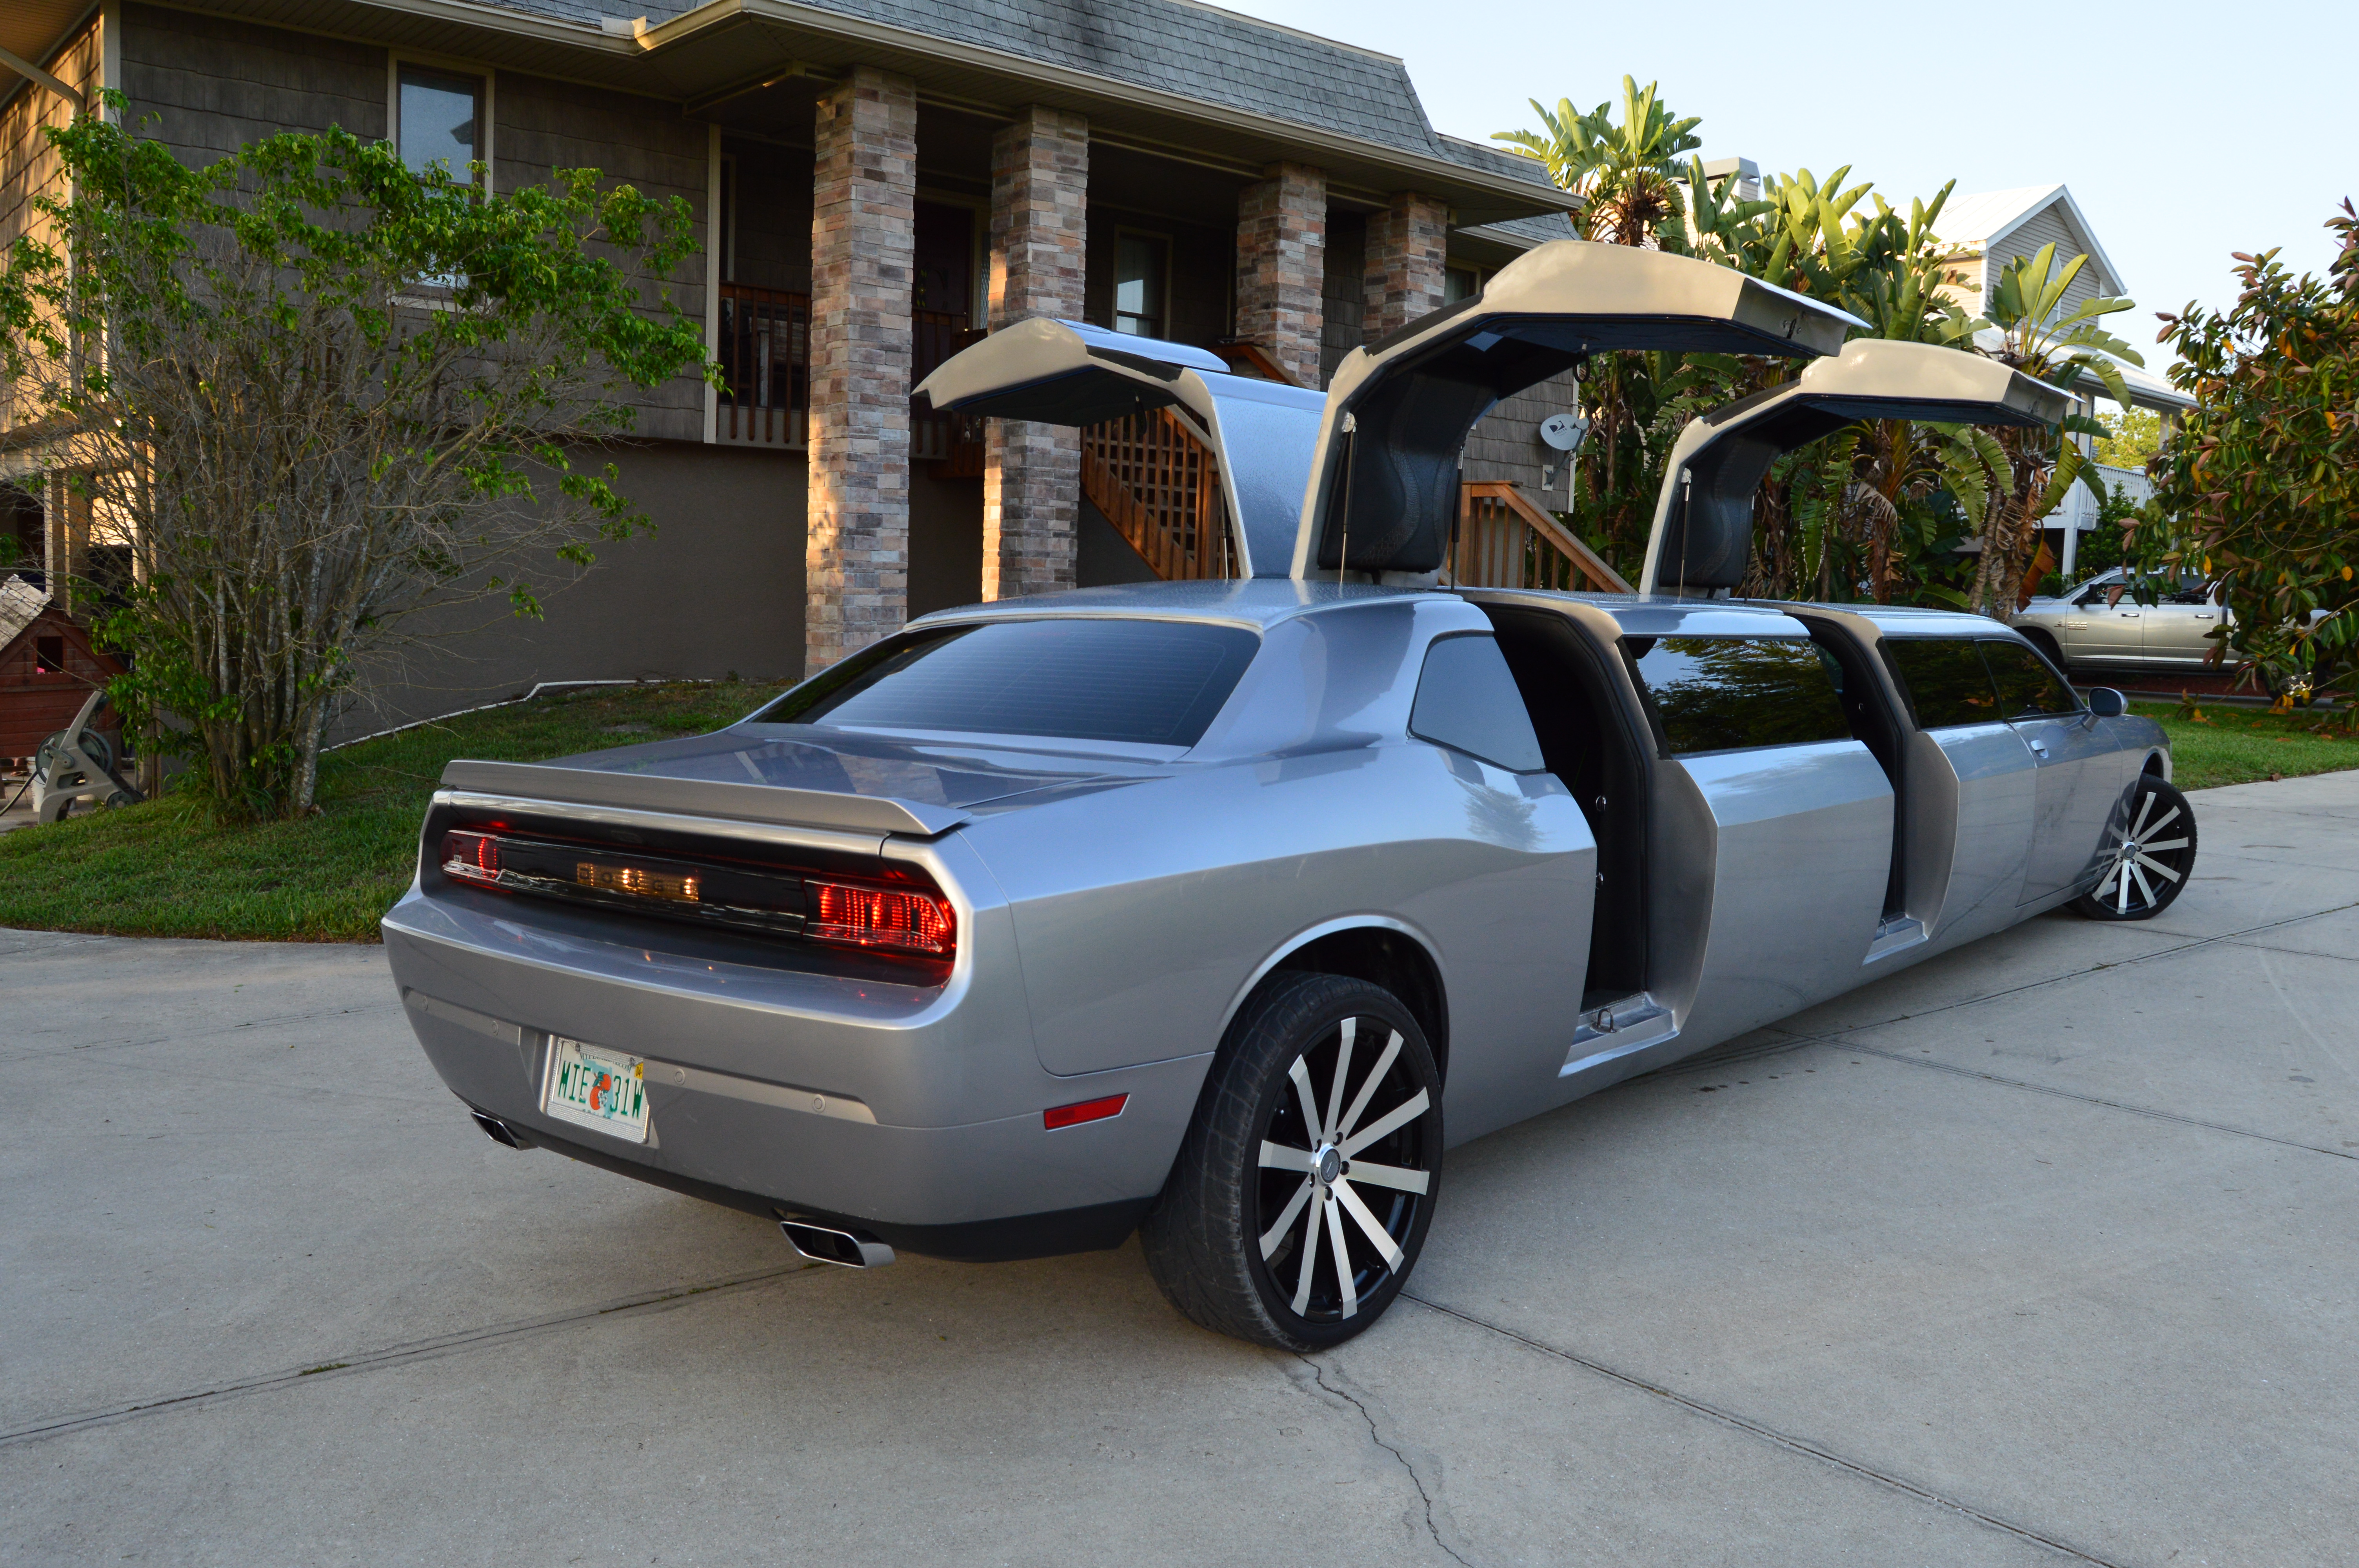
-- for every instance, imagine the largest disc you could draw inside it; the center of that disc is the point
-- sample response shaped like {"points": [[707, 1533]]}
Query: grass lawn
{"points": [[170, 868], [2227, 745]]}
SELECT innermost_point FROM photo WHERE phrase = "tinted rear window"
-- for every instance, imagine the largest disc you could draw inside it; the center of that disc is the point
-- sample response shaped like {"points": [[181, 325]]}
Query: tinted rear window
{"points": [[2027, 686], [1155, 683], [1945, 679], [1467, 700], [1715, 693]]}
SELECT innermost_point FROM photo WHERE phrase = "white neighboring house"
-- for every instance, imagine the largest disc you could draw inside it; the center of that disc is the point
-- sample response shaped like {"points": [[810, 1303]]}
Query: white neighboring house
{"points": [[1987, 230]]}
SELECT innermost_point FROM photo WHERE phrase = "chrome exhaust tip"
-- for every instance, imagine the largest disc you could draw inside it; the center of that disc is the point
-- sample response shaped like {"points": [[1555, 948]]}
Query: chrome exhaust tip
{"points": [[499, 1132], [846, 1248]]}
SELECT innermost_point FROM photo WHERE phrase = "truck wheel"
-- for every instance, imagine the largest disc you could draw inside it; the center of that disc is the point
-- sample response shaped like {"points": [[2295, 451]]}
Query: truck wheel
{"points": [[2152, 850], [1299, 1200]]}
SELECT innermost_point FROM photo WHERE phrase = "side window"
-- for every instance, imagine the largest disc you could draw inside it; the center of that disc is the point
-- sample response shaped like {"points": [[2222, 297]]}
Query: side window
{"points": [[1945, 679], [1467, 700], [2027, 687], [1716, 694]]}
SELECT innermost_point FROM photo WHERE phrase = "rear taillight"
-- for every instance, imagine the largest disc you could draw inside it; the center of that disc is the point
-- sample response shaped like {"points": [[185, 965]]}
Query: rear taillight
{"points": [[880, 918], [896, 921]]}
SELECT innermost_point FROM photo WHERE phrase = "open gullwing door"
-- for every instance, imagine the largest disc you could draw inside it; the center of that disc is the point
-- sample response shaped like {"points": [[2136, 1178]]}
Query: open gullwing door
{"points": [[1702, 536], [1066, 373], [1383, 492]]}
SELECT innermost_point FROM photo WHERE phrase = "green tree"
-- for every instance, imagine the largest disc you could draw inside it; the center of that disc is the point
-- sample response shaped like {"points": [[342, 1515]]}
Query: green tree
{"points": [[2132, 438], [1626, 174], [2261, 484], [318, 391], [2048, 338]]}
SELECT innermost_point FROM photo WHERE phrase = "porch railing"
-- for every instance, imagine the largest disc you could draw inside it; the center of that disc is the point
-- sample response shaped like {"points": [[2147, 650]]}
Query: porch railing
{"points": [[765, 398], [1160, 487], [1508, 540], [953, 441]]}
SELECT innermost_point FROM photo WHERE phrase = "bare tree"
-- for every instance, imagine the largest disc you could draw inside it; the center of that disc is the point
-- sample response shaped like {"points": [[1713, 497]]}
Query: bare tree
{"points": [[315, 390]]}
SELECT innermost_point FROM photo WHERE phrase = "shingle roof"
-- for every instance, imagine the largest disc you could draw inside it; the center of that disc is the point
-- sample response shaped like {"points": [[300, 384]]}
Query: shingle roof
{"points": [[1179, 46]]}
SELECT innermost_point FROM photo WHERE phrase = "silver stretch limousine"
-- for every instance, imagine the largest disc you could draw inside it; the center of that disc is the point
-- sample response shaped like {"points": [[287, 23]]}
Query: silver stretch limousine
{"points": [[1216, 911]]}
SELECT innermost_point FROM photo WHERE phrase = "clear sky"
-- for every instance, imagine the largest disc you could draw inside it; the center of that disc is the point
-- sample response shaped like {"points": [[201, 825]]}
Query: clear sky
{"points": [[2185, 131]]}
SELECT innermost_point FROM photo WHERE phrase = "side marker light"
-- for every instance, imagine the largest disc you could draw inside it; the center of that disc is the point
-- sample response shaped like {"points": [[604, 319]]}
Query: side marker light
{"points": [[1088, 1110]]}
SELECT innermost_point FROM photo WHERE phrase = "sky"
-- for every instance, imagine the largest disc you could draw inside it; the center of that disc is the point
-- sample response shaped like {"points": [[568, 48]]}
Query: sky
{"points": [[2185, 131]]}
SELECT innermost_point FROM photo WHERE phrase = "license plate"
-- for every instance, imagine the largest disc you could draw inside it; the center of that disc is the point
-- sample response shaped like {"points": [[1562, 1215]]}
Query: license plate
{"points": [[595, 1088]]}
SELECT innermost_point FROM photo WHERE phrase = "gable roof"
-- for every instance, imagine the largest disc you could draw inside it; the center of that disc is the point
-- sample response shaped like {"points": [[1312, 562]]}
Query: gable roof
{"points": [[20, 605], [1982, 219]]}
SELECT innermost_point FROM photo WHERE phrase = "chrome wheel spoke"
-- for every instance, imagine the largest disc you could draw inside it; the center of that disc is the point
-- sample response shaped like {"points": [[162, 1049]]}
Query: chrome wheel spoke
{"points": [[1277, 1233], [2122, 870], [1367, 1090], [2160, 822], [1387, 1248], [2146, 889], [1309, 1256], [1342, 1073], [2167, 844], [1281, 1157], [2151, 864], [1343, 1257], [1400, 1117], [2145, 803], [1300, 1074], [2106, 886], [1394, 1176]]}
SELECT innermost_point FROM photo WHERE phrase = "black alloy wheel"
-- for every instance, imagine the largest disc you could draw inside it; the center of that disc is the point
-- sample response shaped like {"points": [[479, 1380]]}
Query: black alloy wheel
{"points": [[2150, 850], [1301, 1198]]}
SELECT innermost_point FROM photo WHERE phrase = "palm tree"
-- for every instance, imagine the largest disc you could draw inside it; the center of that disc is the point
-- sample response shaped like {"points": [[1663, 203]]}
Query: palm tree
{"points": [[1627, 175], [2037, 333]]}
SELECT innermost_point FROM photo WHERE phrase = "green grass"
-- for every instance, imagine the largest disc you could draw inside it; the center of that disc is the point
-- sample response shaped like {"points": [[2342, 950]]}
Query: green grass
{"points": [[2227, 745], [172, 868]]}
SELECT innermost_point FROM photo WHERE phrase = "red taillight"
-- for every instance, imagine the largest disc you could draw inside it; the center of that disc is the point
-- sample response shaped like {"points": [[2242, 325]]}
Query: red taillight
{"points": [[1088, 1110], [877, 917], [471, 857]]}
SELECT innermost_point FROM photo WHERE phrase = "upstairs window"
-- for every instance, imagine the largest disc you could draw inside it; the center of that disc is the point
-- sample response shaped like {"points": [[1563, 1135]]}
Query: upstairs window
{"points": [[439, 119], [1720, 694], [1141, 271]]}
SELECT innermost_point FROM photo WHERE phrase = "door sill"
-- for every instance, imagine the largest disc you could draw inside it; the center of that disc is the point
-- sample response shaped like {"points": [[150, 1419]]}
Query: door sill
{"points": [[1605, 1033], [1896, 937]]}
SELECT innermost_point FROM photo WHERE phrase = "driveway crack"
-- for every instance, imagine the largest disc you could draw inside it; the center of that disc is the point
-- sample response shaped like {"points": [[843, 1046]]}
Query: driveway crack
{"points": [[1376, 1436]]}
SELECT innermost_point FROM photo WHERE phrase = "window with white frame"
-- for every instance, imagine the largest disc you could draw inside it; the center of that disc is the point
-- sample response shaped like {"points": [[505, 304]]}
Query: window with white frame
{"points": [[439, 118]]}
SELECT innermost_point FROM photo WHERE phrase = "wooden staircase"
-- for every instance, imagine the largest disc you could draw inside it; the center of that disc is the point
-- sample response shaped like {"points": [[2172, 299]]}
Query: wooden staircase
{"points": [[1508, 540], [1160, 484]]}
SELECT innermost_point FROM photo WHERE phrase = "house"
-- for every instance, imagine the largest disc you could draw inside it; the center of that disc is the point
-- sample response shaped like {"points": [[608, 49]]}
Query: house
{"points": [[873, 182], [48, 670], [1986, 231]]}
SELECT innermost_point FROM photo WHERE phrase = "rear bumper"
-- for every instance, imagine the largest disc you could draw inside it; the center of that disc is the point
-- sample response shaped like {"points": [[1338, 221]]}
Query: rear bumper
{"points": [[915, 1116]]}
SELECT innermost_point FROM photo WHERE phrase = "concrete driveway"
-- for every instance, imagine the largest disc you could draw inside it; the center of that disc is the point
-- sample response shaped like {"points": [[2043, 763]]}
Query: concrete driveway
{"points": [[2045, 1250]]}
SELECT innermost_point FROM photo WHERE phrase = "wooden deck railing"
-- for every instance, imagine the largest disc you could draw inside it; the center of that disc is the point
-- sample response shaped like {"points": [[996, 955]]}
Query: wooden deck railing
{"points": [[765, 366], [1506, 540], [1160, 487], [954, 440]]}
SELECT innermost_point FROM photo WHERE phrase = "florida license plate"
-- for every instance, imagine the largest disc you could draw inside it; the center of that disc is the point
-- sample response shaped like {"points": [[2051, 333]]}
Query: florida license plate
{"points": [[595, 1088]]}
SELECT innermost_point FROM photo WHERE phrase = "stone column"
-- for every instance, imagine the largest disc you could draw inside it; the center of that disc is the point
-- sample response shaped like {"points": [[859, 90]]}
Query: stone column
{"points": [[1406, 244], [1281, 267], [863, 197], [1032, 473]]}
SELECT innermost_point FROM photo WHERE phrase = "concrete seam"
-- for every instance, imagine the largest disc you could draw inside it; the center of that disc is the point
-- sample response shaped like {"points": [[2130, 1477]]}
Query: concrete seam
{"points": [[1769, 1434], [1319, 1375], [392, 1355]]}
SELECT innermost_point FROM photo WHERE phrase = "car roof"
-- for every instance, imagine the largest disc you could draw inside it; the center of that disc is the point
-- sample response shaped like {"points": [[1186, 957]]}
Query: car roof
{"points": [[1258, 603]]}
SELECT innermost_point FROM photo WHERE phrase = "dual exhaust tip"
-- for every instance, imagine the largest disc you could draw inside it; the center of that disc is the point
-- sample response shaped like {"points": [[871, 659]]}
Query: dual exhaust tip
{"points": [[820, 1243]]}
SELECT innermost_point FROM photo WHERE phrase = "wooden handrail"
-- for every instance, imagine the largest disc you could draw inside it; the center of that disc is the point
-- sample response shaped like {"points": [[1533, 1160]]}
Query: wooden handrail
{"points": [[1508, 540], [1250, 359], [1160, 487]]}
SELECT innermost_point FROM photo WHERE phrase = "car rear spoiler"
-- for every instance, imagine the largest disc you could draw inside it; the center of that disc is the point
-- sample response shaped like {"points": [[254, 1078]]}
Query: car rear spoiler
{"points": [[529, 781], [1068, 373], [1702, 536], [1383, 494]]}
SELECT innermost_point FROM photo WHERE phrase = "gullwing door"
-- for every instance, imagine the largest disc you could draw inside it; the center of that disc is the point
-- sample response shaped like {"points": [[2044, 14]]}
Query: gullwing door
{"points": [[1068, 373], [1384, 482], [1702, 536]]}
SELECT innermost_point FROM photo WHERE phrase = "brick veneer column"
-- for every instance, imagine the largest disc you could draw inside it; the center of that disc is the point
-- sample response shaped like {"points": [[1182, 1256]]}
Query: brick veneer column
{"points": [[1407, 243], [1032, 473], [864, 196], [1281, 266]]}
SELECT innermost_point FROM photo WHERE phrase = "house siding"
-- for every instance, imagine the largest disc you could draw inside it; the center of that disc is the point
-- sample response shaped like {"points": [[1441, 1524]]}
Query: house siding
{"points": [[29, 168], [2048, 226], [205, 86], [1506, 444], [1342, 326]]}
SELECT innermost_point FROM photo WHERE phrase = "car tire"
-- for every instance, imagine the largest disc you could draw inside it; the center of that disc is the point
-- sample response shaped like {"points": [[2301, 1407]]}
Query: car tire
{"points": [[1263, 1191], [2046, 645], [2150, 854]]}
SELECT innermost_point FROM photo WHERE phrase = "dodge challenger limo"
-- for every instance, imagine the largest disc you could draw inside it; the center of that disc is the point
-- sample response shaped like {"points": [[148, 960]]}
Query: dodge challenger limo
{"points": [[1215, 912]]}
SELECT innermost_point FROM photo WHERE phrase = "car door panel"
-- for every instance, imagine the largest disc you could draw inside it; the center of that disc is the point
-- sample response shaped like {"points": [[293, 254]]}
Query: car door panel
{"points": [[1994, 781], [2078, 767]]}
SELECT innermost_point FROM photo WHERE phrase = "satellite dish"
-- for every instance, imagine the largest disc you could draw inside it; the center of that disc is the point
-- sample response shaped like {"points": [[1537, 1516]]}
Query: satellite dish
{"points": [[1565, 432]]}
